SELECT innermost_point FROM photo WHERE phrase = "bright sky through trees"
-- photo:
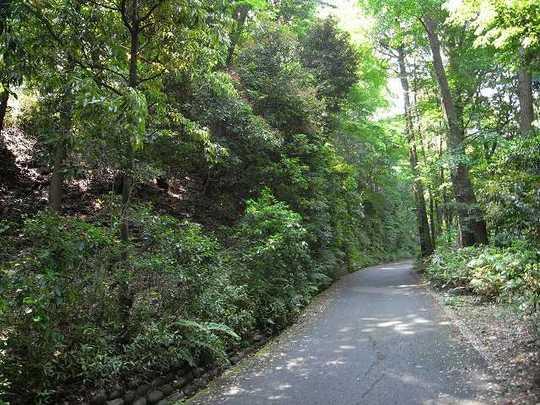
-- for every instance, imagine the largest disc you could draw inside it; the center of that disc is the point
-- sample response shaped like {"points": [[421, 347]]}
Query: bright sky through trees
{"points": [[355, 21]]}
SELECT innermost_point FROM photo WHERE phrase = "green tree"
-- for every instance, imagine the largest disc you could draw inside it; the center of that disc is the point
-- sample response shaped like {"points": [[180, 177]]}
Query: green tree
{"points": [[328, 53], [473, 228]]}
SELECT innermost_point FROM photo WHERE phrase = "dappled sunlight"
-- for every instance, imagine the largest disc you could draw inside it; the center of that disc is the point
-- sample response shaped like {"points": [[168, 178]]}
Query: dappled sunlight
{"points": [[407, 325], [233, 391], [334, 363], [275, 397], [407, 378], [387, 324], [374, 349], [297, 362]]}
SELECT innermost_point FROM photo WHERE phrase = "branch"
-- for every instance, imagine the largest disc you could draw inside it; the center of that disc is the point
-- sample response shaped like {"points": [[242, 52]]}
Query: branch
{"points": [[100, 82], [146, 79], [45, 21], [119, 74], [123, 12], [152, 9]]}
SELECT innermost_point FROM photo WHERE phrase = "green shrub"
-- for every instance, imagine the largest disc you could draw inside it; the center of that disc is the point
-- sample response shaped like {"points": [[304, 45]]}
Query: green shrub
{"points": [[190, 298], [61, 311], [56, 300], [273, 259], [509, 274], [165, 344]]}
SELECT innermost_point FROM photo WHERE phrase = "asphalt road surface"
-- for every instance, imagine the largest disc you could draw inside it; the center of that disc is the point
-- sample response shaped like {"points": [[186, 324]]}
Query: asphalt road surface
{"points": [[376, 337]]}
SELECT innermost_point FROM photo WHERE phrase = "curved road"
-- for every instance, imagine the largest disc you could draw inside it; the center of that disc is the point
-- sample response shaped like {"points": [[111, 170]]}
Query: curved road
{"points": [[375, 337]]}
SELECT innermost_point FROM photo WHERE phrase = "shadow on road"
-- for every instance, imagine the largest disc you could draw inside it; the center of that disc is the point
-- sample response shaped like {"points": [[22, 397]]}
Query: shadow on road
{"points": [[380, 340]]}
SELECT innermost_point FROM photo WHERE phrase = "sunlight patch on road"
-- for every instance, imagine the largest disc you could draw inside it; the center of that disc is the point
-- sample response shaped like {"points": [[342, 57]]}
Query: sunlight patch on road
{"points": [[234, 391], [297, 362]]}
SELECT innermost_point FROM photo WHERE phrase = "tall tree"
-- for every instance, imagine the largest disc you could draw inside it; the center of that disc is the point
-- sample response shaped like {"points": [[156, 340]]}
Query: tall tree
{"points": [[240, 12], [473, 228], [526, 105], [123, 49], [328, 53], [512, 28], [426, 241]]}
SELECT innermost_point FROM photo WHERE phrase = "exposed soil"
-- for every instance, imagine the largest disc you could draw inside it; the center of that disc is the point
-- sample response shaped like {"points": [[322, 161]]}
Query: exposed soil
{"points": [[24, 181], [508, 340]]}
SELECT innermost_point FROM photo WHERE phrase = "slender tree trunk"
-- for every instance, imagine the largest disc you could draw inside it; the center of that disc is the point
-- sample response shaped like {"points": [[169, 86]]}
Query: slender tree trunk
{"points": [[57, 178], [426, 245], [526, 108], [446, 215], [432, 218], [60, 152], [4, 98], [133, 82], [438, 222], [471, 222], [126, 297], [432, 213], [8, 168], [5, 154], [9, 171], [240, 17]]}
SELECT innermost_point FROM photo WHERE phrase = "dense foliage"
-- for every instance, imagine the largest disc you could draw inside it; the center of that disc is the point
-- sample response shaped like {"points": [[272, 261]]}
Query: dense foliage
{"points": [[469, 74], [196, 176]]}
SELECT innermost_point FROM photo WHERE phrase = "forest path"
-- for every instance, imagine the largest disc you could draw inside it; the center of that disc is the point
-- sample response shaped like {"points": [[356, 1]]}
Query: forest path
{"points": [[376, 337]]}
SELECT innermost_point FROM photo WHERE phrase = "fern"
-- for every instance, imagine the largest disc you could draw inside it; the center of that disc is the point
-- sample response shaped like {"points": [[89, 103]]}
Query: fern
{"points": [[207, 327]]}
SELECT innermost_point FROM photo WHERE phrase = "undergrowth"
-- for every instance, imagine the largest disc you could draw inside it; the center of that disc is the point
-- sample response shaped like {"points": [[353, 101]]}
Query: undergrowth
{"points": [[507, 274]]}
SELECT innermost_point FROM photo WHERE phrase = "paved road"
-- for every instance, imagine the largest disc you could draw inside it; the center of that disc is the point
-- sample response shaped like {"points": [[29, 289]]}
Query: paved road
{"points": [[376, 337]]}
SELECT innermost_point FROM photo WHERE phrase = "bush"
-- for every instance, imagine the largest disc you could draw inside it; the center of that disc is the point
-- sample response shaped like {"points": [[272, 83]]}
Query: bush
{"points": [[274, 262], [509, 274], [61, 312], [510, 192], [56, 302]]}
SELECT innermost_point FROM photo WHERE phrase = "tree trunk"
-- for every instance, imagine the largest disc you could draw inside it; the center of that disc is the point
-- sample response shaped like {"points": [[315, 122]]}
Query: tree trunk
{"points": [[4, 98], [61, 149], [57, 178], [438, 222], [526, 109], [240, 18], [446, 215], [133, 82], [432, 213], [5, 155], [432, 218], [126, 297], [472, 227], [426, 244], [9, 172]]}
